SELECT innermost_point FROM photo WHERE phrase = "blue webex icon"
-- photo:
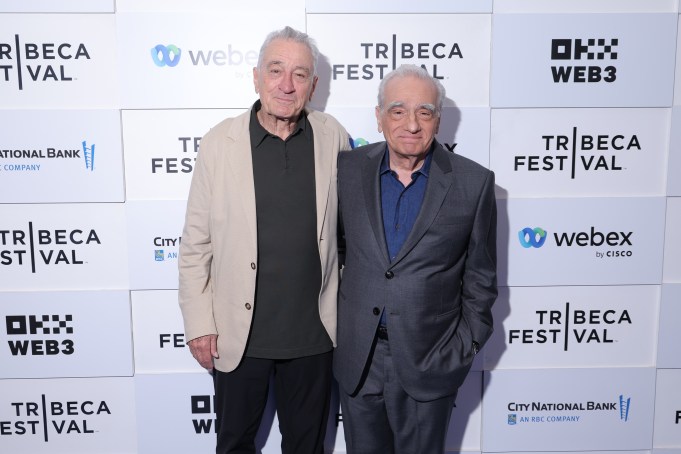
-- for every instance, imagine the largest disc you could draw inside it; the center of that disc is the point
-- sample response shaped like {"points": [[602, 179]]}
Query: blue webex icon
{"points": [[166, 55], [89, 156], [532, 237]]}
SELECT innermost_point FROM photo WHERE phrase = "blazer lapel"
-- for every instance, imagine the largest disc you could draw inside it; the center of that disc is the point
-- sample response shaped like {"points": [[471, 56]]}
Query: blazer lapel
{"points": [[439, 182], [323, 166], [241, 166], [371, 185]]}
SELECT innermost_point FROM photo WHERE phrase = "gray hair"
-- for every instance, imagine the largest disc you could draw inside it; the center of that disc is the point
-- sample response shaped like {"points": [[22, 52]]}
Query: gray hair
{"points": [[291, 34], [411, 71]]}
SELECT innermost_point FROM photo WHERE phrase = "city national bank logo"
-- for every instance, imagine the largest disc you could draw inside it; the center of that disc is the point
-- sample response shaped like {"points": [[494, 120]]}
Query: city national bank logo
{"points": [[171, 250], [37, 248], [34, 160], [379, 58], [170, 56], [619, 244], [39, 335], [577, 153], [583, 60], [564, 412], [39, 62], [571, 326], [49, 420], [203, 414]]}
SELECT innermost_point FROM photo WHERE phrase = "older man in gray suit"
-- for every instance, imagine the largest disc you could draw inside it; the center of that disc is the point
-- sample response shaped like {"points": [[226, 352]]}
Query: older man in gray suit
{"points": [[419, 276]]}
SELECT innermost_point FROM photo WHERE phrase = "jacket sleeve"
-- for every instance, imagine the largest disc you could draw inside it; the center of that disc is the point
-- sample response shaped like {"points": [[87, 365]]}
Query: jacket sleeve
{"points": [[196, 248], [480, 273]]}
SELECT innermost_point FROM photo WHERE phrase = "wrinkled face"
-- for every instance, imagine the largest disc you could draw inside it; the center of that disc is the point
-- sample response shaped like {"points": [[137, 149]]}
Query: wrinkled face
{"points": [[285, 82], [408, 119]]}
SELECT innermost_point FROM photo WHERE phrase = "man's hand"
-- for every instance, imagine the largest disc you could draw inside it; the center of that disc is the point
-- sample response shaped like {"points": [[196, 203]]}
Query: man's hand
{"points": [[204, 349]]}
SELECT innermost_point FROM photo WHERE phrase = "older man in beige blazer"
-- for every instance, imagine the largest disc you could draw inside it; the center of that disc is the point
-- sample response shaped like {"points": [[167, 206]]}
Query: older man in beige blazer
{"points": [[258, 260]]}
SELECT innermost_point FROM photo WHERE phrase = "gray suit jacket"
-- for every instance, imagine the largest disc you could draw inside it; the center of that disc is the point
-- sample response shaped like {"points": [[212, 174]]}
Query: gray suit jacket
{"points": [[438, 292]]}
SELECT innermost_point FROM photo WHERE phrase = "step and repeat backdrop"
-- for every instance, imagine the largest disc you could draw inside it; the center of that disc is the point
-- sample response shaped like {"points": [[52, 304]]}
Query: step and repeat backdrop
{"points": [[571, 102]]}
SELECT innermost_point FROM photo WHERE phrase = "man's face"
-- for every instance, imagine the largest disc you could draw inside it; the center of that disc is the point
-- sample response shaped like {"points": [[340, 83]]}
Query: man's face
{"points": [[286, 81], [408, 119]]}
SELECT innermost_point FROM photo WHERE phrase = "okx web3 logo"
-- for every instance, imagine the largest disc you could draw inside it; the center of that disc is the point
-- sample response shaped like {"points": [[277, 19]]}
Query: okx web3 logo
{"points": [[166, 55], [529, 237]]}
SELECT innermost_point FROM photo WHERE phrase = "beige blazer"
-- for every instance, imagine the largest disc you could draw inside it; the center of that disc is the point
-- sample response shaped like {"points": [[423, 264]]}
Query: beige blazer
{"points": [[219, 252]]}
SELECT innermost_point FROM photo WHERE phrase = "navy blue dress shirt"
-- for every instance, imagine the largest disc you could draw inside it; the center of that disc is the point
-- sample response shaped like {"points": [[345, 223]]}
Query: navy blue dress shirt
{"points": [[400, 204]]}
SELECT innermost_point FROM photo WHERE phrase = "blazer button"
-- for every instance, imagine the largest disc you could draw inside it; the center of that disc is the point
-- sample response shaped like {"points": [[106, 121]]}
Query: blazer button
{"points": [[389, 274], [377, 311], [252, 265], [248, 306]]}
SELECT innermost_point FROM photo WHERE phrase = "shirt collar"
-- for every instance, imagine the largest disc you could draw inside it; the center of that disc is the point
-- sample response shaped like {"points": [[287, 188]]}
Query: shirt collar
{"points": [[424, 170], [258, 133]]}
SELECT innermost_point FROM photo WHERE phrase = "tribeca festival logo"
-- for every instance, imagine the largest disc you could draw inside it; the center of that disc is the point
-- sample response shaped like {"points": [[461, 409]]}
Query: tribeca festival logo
{"points": [[187, 151], [383, 57], [619, 244], [570, 55], [161, 255], [34, 159], [564, 412], [34, 247], [51, 419], [39, 62], [581, 153], [203, 414], [170, 56], [571, 325], [39, 335]]}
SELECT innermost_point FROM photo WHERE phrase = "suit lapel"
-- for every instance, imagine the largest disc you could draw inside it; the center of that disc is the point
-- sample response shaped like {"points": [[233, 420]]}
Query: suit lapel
{"points": [[439, 182], [323, 165], [240, 163], [371, 185]]}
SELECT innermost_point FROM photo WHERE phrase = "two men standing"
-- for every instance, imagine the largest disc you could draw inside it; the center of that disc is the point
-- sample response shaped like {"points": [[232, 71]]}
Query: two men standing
{"points": [[259, 263]]}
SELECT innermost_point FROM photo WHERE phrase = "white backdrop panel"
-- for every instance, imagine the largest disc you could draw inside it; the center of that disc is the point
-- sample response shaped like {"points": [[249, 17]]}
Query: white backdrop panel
{"points": [[672, 241], [454, 48], [160, 344], [464, 131], [677, 75], [669, 340], [580, 152], [668, 409], [570, 327], [399, 6], [674, 162], [587, 241], [272, 6], [585, 6], [58, 61], [154, 235], [63, 247], [61, 6], [204, 60], [541, 409], [76, 156], [59, 334], [160, 149], [583, 60], [68, 416]]}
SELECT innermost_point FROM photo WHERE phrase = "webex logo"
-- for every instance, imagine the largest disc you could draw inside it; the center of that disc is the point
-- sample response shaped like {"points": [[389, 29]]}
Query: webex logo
{"points": [[170, 55], [166, 55], [536, 237], [532, 237]]}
